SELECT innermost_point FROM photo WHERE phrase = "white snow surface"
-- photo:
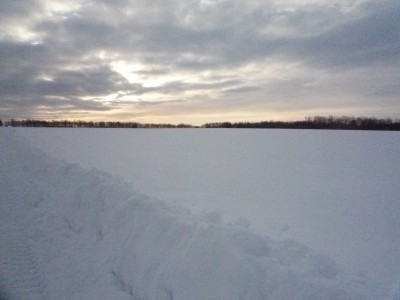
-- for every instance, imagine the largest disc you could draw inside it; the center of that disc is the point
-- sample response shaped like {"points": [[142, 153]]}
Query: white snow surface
{"points": [[229, 215]]}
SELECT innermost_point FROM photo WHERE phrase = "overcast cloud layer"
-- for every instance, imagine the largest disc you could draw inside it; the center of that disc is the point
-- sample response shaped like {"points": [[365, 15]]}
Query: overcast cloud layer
{"points": [[199, 61]]}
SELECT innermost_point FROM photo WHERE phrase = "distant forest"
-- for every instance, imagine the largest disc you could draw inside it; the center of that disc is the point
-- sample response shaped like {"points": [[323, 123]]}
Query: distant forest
{"points": [[317, 122]]}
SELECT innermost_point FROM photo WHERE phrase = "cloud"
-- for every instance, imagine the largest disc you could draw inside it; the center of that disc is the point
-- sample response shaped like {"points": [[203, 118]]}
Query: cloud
{"points": [[13, 12], [250, 55], [372, 39]]}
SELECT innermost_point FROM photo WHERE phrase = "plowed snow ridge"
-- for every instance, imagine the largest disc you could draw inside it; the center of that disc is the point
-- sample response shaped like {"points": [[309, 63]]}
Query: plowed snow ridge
{"points": [[68, 233]]}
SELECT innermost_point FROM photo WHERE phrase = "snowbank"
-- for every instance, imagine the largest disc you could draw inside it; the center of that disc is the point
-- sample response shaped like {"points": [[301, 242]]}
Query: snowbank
{"points": [[86, 235]]}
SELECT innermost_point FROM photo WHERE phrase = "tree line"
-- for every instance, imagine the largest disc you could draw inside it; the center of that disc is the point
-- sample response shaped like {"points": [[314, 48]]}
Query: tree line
{"points": [[86, 124], [316, 122]]}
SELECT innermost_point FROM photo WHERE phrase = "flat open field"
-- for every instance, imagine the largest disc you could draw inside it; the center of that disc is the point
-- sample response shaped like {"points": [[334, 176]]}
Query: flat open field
{"points": [[321, 203]]}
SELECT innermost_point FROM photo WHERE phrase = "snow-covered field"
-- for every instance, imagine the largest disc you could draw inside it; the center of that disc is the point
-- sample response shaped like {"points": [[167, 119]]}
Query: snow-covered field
{"points": [[229, 214]]}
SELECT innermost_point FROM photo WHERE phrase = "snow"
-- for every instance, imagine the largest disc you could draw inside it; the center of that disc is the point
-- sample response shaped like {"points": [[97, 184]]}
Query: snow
{"points": [[228, 216]]}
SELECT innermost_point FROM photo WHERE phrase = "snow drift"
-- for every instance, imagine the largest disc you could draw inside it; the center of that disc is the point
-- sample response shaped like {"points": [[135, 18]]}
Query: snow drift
{"points": [[86, 235]]}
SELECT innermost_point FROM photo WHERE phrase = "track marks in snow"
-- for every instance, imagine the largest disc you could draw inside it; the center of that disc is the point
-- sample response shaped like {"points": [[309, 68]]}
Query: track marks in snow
{"points": [[20, 276]]}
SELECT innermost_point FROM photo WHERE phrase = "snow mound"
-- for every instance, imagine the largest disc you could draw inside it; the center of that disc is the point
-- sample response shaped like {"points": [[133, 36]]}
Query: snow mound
{"points": [[88, 235]]}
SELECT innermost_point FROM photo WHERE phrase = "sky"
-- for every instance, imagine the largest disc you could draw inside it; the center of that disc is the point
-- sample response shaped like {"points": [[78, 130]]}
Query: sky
{"points": [[199, 61]]}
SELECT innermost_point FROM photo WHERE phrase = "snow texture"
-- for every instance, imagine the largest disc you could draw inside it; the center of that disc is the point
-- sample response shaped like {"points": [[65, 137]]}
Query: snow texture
{"points": [[72, 233]]}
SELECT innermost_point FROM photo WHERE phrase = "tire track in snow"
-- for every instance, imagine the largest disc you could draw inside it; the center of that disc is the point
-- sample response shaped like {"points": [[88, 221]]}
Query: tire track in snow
{"points": [[20, 276]]}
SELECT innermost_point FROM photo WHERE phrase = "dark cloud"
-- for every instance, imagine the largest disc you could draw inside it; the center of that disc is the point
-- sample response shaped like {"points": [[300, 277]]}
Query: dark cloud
{"points": [[50, 107], [372, 39], [17, 10], [155, 102], [243, 89], [16, 56], [179, 86], [95, 81], [32, 70]]}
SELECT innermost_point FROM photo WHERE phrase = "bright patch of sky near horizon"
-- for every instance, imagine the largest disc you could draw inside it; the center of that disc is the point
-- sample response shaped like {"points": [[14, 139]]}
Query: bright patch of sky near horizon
{"points": [[199, 61]]}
